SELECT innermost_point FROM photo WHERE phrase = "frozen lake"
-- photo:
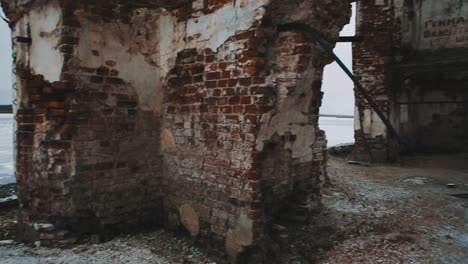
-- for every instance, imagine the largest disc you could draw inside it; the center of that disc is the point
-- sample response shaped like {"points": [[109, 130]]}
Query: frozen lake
{"points": [[339, 130], [6, 149]]}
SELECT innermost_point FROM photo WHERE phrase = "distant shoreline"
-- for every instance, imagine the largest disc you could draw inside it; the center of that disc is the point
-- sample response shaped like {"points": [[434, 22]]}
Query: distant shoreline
{"points": [[8, 109], [336, 116]]}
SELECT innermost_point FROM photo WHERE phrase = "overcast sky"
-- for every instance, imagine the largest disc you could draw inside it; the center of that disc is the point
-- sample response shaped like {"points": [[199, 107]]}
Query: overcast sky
{"points": [[338, 88], [5, 62], [338, 99]]}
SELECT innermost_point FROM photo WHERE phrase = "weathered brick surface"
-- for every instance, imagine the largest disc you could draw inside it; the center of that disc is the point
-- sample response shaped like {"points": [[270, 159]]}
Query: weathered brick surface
{"points": [[87, 155], [139, 132], [372, 63]]}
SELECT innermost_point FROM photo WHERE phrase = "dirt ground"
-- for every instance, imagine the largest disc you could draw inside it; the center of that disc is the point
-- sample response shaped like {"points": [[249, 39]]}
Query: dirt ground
{"points": [[391, 214], [400, 213], [159, 247]]}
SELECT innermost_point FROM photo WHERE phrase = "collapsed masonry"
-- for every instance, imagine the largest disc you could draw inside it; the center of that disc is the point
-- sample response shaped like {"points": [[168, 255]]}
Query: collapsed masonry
{"points": [[413, 61], [138, 114]]}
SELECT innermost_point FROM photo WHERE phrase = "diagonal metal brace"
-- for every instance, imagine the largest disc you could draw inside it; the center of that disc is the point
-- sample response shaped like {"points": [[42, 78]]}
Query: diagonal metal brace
{"points": [[329, 49]]}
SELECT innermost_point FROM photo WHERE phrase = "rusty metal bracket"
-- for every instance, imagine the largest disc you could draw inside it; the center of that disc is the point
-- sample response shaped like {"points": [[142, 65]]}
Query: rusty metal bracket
{"points": [[329, 49], [352, 39], [26, 40]]}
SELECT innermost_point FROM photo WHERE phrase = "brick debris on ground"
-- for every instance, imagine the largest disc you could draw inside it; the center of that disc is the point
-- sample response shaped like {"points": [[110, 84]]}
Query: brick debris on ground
{"points": [[383, 214]]}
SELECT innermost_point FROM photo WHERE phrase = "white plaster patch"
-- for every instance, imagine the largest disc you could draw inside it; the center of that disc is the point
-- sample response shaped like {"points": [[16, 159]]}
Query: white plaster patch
{"points": [[294, 123], [292, 117], [239, 237], [190, 219], [212, 30], [372, 124], [357, 122], [378, 126], [198, 4], [366, 121], [114, 43], [45, 57], [171, 41], [146, 72]]}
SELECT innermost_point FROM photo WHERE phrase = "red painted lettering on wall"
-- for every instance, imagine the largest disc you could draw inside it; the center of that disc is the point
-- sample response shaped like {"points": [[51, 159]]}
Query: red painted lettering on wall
{"points": [[446, 32], [445, 22]]}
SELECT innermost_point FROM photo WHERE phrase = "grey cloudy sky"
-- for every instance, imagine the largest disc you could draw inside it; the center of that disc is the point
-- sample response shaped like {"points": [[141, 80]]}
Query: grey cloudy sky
{"points": [[338, 88], [338, 99], [5, 63]]}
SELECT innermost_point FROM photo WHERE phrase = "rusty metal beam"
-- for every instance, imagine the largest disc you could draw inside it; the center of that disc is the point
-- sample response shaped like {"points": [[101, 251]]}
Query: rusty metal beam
{"points": [[26, 40], [6, 109], [350, 39]]}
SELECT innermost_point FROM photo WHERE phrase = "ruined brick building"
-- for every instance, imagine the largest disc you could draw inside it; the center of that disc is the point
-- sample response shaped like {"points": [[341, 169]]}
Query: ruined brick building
{"points": [[202, 114], [413, 60], [193, 114]]}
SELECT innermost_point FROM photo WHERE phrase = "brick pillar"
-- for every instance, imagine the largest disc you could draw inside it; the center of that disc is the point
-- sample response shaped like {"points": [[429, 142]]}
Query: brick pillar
{"points": [[373, 67]]}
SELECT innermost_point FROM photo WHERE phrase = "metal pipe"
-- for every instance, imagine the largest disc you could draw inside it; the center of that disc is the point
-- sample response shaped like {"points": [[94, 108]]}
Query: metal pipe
{"points": [[325, 45], [350, 39]]}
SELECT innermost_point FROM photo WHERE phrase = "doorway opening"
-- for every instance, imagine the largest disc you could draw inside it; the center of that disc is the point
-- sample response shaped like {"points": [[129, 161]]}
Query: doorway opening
{"points": [[337, 110]]}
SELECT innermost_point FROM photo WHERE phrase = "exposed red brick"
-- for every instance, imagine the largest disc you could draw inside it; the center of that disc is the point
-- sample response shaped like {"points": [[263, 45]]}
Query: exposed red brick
{"points": [[213, 76], [246, 35]]}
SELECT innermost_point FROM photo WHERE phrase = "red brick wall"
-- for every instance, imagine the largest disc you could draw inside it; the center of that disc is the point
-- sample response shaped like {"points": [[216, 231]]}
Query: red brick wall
{"points": [[212, 106], [373, 58], [285, 181], [89, 159]]}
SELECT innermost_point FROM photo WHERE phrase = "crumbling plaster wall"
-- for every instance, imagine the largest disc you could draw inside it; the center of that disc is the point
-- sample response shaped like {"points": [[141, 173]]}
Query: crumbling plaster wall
{"points": [[417, 68], [46, 30], [81, 134], [155, 113]]}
